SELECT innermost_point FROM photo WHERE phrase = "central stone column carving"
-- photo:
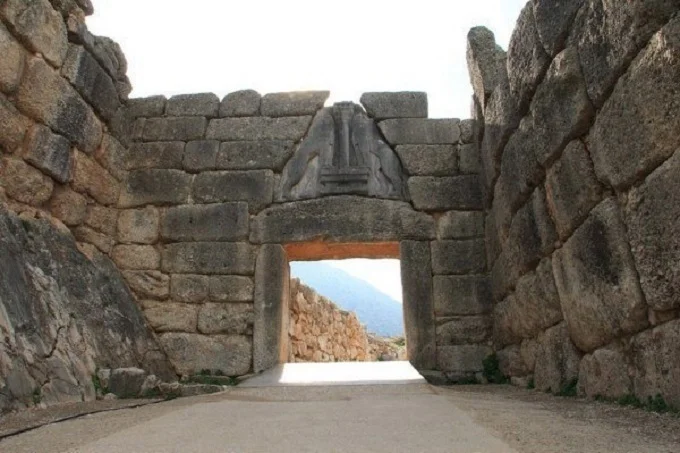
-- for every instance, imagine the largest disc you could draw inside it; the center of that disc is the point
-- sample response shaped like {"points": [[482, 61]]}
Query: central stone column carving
{"points": [[344, 153]]}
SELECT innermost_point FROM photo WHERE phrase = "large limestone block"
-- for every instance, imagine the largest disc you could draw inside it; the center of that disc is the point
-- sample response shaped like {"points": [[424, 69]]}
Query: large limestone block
{"points": [[91, 178], [258, 128], [511, 363], [255, 187], [226, 319], [527, 60], [461, 295], [170, 316], [653, 220], [68, 206], [147, 107], [200, 155], [231, 288], [189, 288], [209, 258], [202, 104], [557, 360], [554, 19], [597, 281], [155, 187], [293, 104], [462, 359], [467, 330], [102, 219], [25, 183], [458, 257], [39, 25], [241, 103], [265, 154], [213, 222], [385, 105], [13, 125], [656, 359], [192, 353], [148, 284], [181, 128], [419, 321], [431, 193], [155, 155], [341, 219], [136, 257], [604, 373], [139, 226], [610, 34], [91, 81], [46, 96], [49, 152], [572, 189], [486, 63], [420, 131], [13, 58], [429, 160], [460, 225], [112, 156], [637, 127], [505, 318], [537, 301]]}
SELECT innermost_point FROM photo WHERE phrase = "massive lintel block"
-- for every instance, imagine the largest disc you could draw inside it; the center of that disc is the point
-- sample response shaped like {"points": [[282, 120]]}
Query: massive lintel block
{"points": [[386, 105]]}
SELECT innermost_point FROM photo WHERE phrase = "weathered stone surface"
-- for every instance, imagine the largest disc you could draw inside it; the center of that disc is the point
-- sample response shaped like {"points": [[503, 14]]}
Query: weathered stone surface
{"points": [[231, 288], [537, 302], [554, 19], [241, 103], [405, 104], [272, 294], [91, 178], [226, 319], [446, 193], [467, 330], [136, 257], [147, 107], [49, 152], [557, 360], [469, 160], [510, 361], [527, 60], [604, 373], [102, 219], [429, 160], [38, 25], [200, 155], [462, 358], [214, 222], [267, 154], [181, 128], [652, 217], [505, 315], [597, 281], [209, 258], [189, 288], [148, 284], [258, 128], [87, 235], [92, 82], [460, 225], [416, 272], [420, 131], [68, 206], [138, 226], [24, 183], [155, 155], [293, 103], [371, 220], [636, 129], [155, 187], [561, 110], [343, 154], [203, 104], [46, 96], [13, 126], [486, 63], [458, 257], [58, 307], [13, 58], [656, 357], [112, 156], [461, 295], [255, 187], [610, 35], [170, 317], [191, 353], [572, 189], [528, 350], [126, 382]]}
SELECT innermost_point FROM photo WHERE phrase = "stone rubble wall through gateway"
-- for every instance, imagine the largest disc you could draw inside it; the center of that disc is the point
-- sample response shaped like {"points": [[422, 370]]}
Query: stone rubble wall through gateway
{"points": [[563, 257]]}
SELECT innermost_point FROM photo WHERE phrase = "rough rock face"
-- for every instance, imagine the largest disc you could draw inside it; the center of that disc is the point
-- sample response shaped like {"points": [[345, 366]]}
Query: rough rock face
{"points": [[62, 316]]}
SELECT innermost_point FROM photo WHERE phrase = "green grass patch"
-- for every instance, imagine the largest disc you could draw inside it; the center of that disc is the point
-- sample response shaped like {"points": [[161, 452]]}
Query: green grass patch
{"points": [[531, 384], [492, 371], [37, 396], [569, 389]]}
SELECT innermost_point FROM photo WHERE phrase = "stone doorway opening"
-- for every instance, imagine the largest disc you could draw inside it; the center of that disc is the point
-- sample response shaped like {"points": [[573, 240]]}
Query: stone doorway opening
{"points": [[346, 310]]}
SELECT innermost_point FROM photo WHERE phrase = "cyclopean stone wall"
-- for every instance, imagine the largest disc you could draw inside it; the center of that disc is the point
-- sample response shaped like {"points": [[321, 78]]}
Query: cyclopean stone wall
{"points": [[578, 137], [221, 194], [65, 310]]}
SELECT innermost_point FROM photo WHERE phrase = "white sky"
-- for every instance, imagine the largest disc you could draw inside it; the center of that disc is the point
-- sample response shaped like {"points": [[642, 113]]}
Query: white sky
{"points": [[346, 46]]}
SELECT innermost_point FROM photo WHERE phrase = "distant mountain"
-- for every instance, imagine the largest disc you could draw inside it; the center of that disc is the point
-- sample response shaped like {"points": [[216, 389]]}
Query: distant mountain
{"points": [[379, 312]]}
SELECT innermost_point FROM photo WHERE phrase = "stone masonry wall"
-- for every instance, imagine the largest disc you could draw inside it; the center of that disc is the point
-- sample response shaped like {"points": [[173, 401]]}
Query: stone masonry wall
{"points": [[578, 134]]}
